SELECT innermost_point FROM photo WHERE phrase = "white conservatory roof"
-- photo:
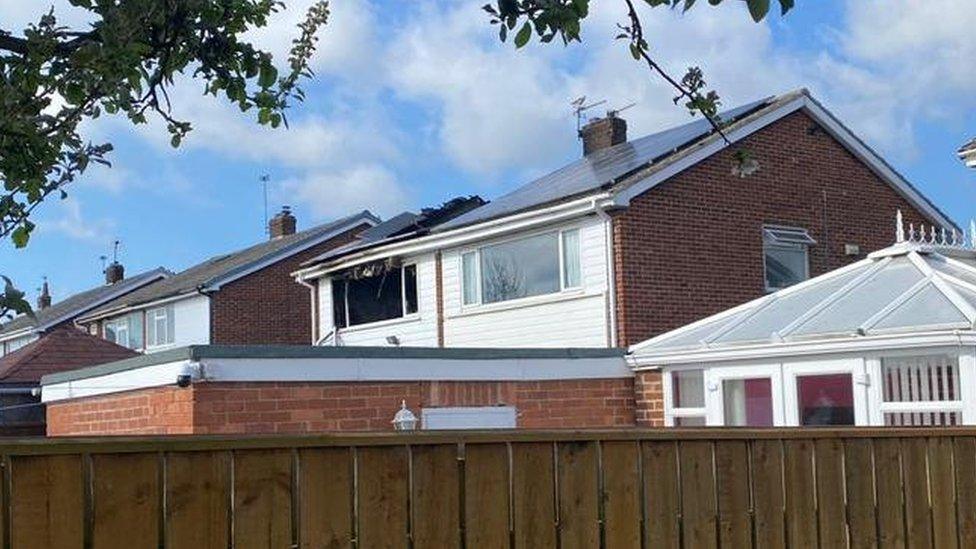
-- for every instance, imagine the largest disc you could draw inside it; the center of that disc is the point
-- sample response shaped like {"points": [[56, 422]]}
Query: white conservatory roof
{"points": [[924, 284]]}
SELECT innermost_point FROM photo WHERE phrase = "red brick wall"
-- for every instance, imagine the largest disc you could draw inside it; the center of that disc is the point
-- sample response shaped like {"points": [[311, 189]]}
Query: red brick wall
{"points": [[268, 306], [649, 399], [692, 246], [317, 407]]}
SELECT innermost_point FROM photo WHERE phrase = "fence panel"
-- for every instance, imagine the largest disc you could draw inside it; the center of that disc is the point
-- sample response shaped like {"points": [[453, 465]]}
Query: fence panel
{"points": [[772, 488]]}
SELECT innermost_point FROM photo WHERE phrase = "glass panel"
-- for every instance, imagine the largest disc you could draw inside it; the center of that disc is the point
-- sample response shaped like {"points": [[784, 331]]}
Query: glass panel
{"points": [[469, 272], [151, 327], [170, 324], [689, 388], [748, 402], [339, 303], [691, 421], [135, 331], [375, 298], [920, 378], [520, 268], [572, 273], [825, 399], [410, 288], [785, 266]]}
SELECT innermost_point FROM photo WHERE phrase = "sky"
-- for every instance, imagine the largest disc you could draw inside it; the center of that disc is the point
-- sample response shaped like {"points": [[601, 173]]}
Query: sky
{"points": [[417, 102]]}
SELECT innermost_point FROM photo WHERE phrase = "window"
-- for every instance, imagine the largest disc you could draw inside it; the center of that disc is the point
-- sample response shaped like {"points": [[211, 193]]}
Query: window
{"points": [[748, 402], [391, 293], [785, 256], [536, 265], [825, 399], [921, 390], [160, 326], [687, 398], [125, 331]]}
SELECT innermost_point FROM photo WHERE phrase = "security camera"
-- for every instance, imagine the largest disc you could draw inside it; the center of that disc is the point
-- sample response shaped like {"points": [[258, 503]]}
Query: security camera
{"points": [[184, 380]]}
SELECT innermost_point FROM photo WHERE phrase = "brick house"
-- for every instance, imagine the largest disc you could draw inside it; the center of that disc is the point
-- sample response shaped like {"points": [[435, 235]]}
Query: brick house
{"points": [[247, 296]]}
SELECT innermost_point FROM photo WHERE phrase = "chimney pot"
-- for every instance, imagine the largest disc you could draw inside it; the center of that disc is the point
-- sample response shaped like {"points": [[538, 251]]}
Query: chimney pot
{"points": [[115, 272], [282, 224], [44, 299], [603, 133]]}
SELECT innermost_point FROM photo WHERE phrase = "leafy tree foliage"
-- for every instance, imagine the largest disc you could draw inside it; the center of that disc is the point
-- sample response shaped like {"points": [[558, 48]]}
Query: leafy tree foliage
{"points": [[53, 77]]}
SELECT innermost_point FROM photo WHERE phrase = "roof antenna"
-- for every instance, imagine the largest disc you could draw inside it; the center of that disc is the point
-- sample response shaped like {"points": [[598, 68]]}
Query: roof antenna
{"points": [[264, 183], [615, 112], [115, 251], [103, 259], [579, 107]]}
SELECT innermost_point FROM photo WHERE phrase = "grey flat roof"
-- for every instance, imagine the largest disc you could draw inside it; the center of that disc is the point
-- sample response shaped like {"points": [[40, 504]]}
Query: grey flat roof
{"points": [[203, 352]]}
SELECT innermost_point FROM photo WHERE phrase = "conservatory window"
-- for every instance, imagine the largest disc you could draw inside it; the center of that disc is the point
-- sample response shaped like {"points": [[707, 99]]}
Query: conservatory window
{"points": [[687, 398], [748, 402], [921, 390], [785, 256], [825, 399]]}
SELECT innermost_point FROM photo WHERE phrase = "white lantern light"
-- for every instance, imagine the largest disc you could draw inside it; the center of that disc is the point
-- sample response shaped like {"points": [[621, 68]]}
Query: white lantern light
{"points": [[404, 420]]}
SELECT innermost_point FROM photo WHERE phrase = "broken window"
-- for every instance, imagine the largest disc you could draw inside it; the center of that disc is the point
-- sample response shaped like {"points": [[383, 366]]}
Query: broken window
{"points": [[385, 294]]}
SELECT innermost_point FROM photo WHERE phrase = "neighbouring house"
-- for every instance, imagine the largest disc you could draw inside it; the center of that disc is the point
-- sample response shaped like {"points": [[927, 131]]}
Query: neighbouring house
{"points": [[46, 316], [967, 153], [632, 240], [247, 296], [888, 340], [56, 350]]}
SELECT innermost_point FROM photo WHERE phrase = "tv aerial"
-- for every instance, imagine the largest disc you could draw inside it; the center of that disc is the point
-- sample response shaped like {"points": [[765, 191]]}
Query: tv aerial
{"points": [[580, 106]]}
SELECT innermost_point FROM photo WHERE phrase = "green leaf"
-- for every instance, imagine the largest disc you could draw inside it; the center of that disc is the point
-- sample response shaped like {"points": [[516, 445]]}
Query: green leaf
{"points": [[785, 5], [20, 236], [175, 140], [758, 9], [269, 75], [635, 51], [522, 38]]}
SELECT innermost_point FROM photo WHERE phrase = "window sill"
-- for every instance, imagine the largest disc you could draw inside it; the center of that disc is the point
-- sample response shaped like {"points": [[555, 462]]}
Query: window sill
{"points": [[567, 295], [409, 319]]}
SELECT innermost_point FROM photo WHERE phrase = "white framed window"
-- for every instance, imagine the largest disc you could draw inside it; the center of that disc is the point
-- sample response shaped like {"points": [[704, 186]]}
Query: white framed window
{"points": [[541, 264], [384, 295], [160, 326], [924, 389], [469, 417], [684, 395], [785, 256], [126, 331]]}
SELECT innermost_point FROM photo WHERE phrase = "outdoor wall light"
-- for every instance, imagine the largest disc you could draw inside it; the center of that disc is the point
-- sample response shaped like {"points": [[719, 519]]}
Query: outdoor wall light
{"points": [[404, 420]]}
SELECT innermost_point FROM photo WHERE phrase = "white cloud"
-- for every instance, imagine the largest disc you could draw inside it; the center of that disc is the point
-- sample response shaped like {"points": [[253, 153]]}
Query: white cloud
{"points": [[333, 194], [69, 220]]}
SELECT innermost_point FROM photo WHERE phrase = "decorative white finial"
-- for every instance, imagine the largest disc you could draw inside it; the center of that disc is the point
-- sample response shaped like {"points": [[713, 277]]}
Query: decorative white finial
{"points": [[972, 233], [899, 228]]}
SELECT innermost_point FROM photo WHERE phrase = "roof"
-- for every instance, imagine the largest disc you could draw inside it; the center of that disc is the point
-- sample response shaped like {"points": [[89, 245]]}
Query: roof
{"points": [[221, 269], [80, 303], [968, 153], [59, 350], [911, 287]]}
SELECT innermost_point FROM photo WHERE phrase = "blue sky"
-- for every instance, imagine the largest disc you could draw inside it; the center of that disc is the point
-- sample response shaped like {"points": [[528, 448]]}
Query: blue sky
{"points": [[417, 102]]}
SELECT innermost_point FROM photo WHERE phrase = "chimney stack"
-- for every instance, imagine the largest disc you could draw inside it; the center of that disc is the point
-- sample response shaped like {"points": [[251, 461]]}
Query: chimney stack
{"points": [[602, 133], [282, 224], [115, 272], [44, 299]]}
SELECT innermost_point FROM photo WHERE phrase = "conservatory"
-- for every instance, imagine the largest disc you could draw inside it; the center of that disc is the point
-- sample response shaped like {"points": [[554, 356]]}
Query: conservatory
{"points": [[888, 340]]}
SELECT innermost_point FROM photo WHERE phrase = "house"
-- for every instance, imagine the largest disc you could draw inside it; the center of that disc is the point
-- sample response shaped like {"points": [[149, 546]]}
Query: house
{"points": [[245, 296], [887, 340], [56, 350], [46, 316], [967, 153], [632, 240]]}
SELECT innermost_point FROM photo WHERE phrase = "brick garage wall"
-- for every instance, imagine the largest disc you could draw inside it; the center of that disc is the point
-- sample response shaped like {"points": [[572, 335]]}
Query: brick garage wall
{"points": [[692, 246], [212, 408], [269, 306], [649, 393]]}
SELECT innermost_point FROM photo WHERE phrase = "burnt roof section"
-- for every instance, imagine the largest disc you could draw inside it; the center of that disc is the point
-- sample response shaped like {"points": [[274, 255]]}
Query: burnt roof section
{"points": [[59, 350], [404, 226], [224, 268], [78, 304]]}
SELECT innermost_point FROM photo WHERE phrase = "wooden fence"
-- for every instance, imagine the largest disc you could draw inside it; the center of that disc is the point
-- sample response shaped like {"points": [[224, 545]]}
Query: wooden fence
{"points": [[618, 489]]}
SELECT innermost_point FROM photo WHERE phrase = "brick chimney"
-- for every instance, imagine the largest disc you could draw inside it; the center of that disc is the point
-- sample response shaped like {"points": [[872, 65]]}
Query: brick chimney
{"points": [[282, 224], [44, 299], [115, 272], [601, 133]]}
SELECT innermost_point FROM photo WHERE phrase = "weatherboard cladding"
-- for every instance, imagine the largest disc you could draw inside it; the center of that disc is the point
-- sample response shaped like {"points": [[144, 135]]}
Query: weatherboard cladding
{"points": [[222, 268], [80, 303]]}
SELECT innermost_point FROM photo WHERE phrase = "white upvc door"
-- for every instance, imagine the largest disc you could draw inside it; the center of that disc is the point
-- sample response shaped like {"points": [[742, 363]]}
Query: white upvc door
{"points": [[826, 392], [746, 396]]}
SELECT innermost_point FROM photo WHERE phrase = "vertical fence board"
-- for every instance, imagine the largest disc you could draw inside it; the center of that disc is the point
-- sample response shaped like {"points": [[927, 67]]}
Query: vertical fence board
{"points": [[621, 495], [382, 503], [732, 478], [801, 510], [436, 495], [125, 493], [891, 503], [661, 499], [859, 476], [47, 502], [262, 498], [943, 493], [964, 449], [197, 499], [918, 518], [486, 509], [698, 506], [767, 493], [579, 512], [831, 510], [325, 497], [533, 495]]}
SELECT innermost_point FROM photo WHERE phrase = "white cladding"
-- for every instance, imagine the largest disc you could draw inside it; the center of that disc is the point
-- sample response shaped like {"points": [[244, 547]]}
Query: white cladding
{"points": [[14, 343], [191, 321], [576, 317]]}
